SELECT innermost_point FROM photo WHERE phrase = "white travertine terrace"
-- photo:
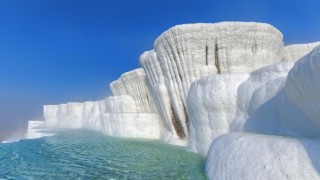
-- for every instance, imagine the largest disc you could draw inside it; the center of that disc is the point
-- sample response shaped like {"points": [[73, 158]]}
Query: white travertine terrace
{"points": [[75, 115], [303, 95], [189, 52], [134, 84], [296, 51], [150, 64], [255, 156], [118, 104], [93, 114], [104, 116], [258, 100], [285, 106], [212, 105], [222, 88], [245, 102], [133, 125], [64, 115], [37, 129]]}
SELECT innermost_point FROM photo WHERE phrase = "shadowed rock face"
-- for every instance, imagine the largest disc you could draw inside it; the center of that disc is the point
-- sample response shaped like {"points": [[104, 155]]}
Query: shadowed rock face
{"points": [[189, 52], [303, 93]]}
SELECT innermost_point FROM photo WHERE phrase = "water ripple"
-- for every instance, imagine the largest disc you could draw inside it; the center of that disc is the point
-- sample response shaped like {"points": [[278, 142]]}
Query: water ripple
{"points": [[90, 155]]}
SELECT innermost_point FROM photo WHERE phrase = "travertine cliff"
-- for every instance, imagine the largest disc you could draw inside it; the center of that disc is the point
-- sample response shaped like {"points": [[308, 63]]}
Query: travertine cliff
{"points": [[296, 51], [189, 52], [134, 84], [221, 89]]}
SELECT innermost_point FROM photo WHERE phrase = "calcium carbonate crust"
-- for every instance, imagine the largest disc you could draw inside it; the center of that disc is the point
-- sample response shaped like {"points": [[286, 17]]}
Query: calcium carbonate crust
{"points": [[156, 82], [133, 125], [201, 86], [290, 155], [244, 156], [212, 105], [296, 51], [189, 52], [37, 129], [302, 95], [134, 84]]}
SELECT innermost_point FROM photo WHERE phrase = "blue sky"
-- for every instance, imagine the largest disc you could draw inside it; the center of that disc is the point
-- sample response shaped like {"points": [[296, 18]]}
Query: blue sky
{"points": [[56, 51]]}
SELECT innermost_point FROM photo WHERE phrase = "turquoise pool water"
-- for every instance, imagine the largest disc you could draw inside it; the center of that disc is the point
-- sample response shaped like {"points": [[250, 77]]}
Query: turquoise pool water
{"points": [[91, 155]]}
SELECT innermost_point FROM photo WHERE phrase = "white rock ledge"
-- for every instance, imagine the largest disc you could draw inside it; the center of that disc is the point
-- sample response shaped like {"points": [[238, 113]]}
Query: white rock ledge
{"points": [[212, 105], [189, 52], [133, 125], [296, 51], [251, 156], [37, 129]]}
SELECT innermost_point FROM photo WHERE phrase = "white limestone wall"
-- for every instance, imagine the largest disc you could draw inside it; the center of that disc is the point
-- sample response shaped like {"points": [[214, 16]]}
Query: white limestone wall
{"points": [[114, 116], [300, 110], [212, 105], [134, 84], [85, 115], [117, 104], [92, 114], [189, 52], [64, 115], [296, 51], [50, 115], [132, 125], [265, 157], [259, 100], [245, 102], [150, 64], [292, 151], [37, 129]]}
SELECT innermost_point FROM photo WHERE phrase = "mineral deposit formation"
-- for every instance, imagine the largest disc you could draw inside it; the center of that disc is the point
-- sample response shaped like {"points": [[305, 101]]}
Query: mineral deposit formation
{"points": [[230, 91]]}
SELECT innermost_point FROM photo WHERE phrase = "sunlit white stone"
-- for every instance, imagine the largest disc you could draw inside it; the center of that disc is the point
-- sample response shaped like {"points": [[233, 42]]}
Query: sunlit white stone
{"points": [[296, 51]]}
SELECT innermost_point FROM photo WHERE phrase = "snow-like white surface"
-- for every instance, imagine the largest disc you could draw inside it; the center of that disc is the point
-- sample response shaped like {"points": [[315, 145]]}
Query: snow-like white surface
{"points": [[301, 108], [92, 114], [37, 129], [245, 102], [251, 156], [296, 51], [169, 138], [259, 100], [74, 115], [272, 102], [156, 82], [134, 84], [189, 52], [133, 125], [117, 104], [212, 104], [64, 115], [204, 82], [114, 116]]}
